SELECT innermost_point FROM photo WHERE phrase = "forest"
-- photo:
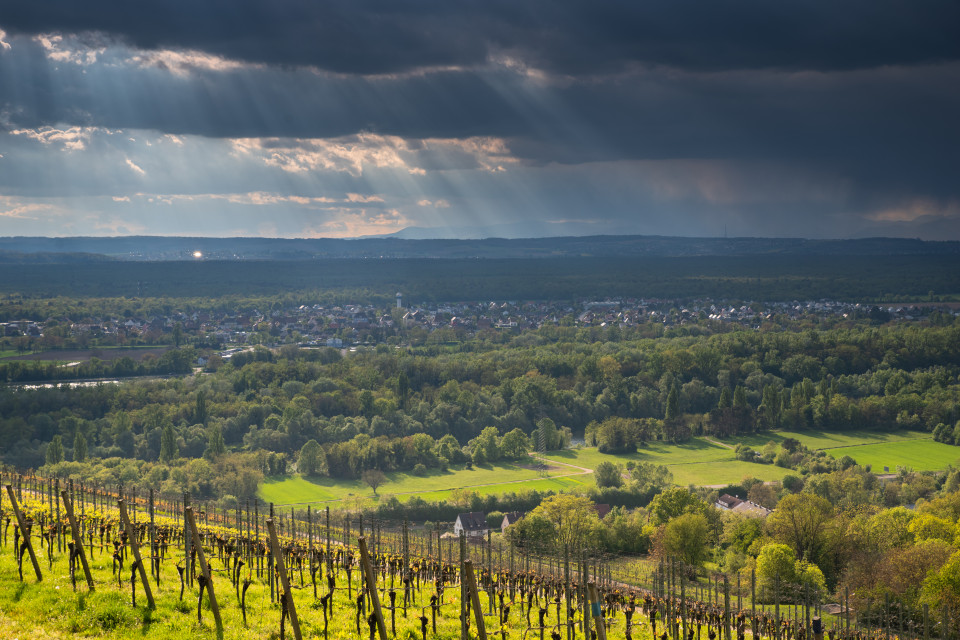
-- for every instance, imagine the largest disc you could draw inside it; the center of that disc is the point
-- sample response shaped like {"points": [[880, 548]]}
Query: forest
{"points": [[900, 277]]}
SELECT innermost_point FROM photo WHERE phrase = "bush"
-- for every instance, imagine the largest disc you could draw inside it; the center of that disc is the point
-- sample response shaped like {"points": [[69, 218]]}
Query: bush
{"points": [[419, 469]]}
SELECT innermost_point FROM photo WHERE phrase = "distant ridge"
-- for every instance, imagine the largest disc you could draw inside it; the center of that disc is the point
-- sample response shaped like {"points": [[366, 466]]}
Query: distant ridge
{"points": [[163, 248]]}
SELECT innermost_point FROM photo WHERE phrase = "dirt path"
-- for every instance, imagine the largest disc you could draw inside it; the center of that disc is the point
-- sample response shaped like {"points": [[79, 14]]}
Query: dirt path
{"points": [[583, 470], [718, 443]]}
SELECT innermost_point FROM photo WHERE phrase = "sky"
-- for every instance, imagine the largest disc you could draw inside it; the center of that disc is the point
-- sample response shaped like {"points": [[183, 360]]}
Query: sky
{"points": [[467, 118]]}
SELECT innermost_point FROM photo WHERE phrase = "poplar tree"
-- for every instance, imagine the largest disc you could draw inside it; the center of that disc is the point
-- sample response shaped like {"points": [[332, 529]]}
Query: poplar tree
{"points": [[55, 450], [79, 448]]}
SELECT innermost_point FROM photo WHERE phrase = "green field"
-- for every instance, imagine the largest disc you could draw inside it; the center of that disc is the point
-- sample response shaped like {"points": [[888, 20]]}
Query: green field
{"points": [[696, 450], [436, 485], [918, 455], [723, 473], [830, 439], [698, 462]]}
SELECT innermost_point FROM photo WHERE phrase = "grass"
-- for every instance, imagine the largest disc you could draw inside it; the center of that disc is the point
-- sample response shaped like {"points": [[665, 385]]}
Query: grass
{"points": [[724, 473], [819, 439], [696, 450], [919, 455], [698, 462], [435, 485], [53, 610], [701, 461], [913, 449]]}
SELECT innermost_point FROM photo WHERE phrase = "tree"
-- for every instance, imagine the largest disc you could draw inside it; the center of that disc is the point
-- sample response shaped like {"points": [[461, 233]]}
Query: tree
{"points": [[484, 447], [673, 404], [215, 444], [514, 445], [673, 502], [724, 402], [168, 445], [763, 495], [775, 562], [177, 334], [200, 413], [573, 517], [55, 450], [534, 529], [686, 538], [803, 521], [648, 477], [547, 435], [373, 478], [79, 448], [740, 397], [942, 588], [403, 389], [312, 459], [608, 474]]}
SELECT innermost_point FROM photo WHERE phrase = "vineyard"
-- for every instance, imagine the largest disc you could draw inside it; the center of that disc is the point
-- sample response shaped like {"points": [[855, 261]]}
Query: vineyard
{"points": [[118, 565]]}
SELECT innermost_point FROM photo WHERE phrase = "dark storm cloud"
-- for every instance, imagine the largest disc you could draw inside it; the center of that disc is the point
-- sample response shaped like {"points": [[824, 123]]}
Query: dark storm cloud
{"points": [[815, 118], [892, 126], [564, 36]]}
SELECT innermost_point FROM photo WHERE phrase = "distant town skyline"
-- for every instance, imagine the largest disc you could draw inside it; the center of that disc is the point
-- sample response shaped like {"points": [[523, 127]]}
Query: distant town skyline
{"points": [[514, 119]]}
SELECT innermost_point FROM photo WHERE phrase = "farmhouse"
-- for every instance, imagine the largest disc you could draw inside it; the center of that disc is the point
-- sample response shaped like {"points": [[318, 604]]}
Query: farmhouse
{"points": [[746, 507], [509, 519], [473, 524]]}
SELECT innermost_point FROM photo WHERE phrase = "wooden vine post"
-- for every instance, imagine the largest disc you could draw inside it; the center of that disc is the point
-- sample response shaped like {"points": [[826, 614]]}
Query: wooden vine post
{"points": [[23, 531], [284, 580], [195, 536], [135, 548], [596, 610], [77, 537], [371, 580], [475, 599]]}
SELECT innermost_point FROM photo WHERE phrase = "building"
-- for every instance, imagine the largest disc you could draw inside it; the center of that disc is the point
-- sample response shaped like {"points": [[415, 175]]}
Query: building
{"points": [[472, 524], [509, 519], [732, 503], [727, 502]]}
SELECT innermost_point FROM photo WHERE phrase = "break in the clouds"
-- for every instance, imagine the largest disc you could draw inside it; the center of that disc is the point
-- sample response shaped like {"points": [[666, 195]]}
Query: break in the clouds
{"points": [[299, 118]]}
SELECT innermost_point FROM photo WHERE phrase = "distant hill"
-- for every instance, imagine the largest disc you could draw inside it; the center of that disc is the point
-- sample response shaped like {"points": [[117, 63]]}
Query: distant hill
{"points": [[25, 250]]}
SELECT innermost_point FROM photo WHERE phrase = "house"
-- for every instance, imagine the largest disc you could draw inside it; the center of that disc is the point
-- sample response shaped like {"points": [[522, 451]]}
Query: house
{"points": [[751, 509], [509, 519], [472, 524], [727, 502]]}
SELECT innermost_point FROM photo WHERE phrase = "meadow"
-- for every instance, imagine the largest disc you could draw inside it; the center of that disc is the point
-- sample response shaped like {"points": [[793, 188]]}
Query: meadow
{"points": [[434, 485], [699, 462], [887, 457]]}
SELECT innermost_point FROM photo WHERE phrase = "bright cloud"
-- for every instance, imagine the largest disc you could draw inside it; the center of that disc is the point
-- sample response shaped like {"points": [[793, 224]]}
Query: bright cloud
{"points": [[354, 154], [69, 139], [183, 63], [350, 223], [136, 169], [357, 197], [15, 209], [915, 210], [60, 49]]}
